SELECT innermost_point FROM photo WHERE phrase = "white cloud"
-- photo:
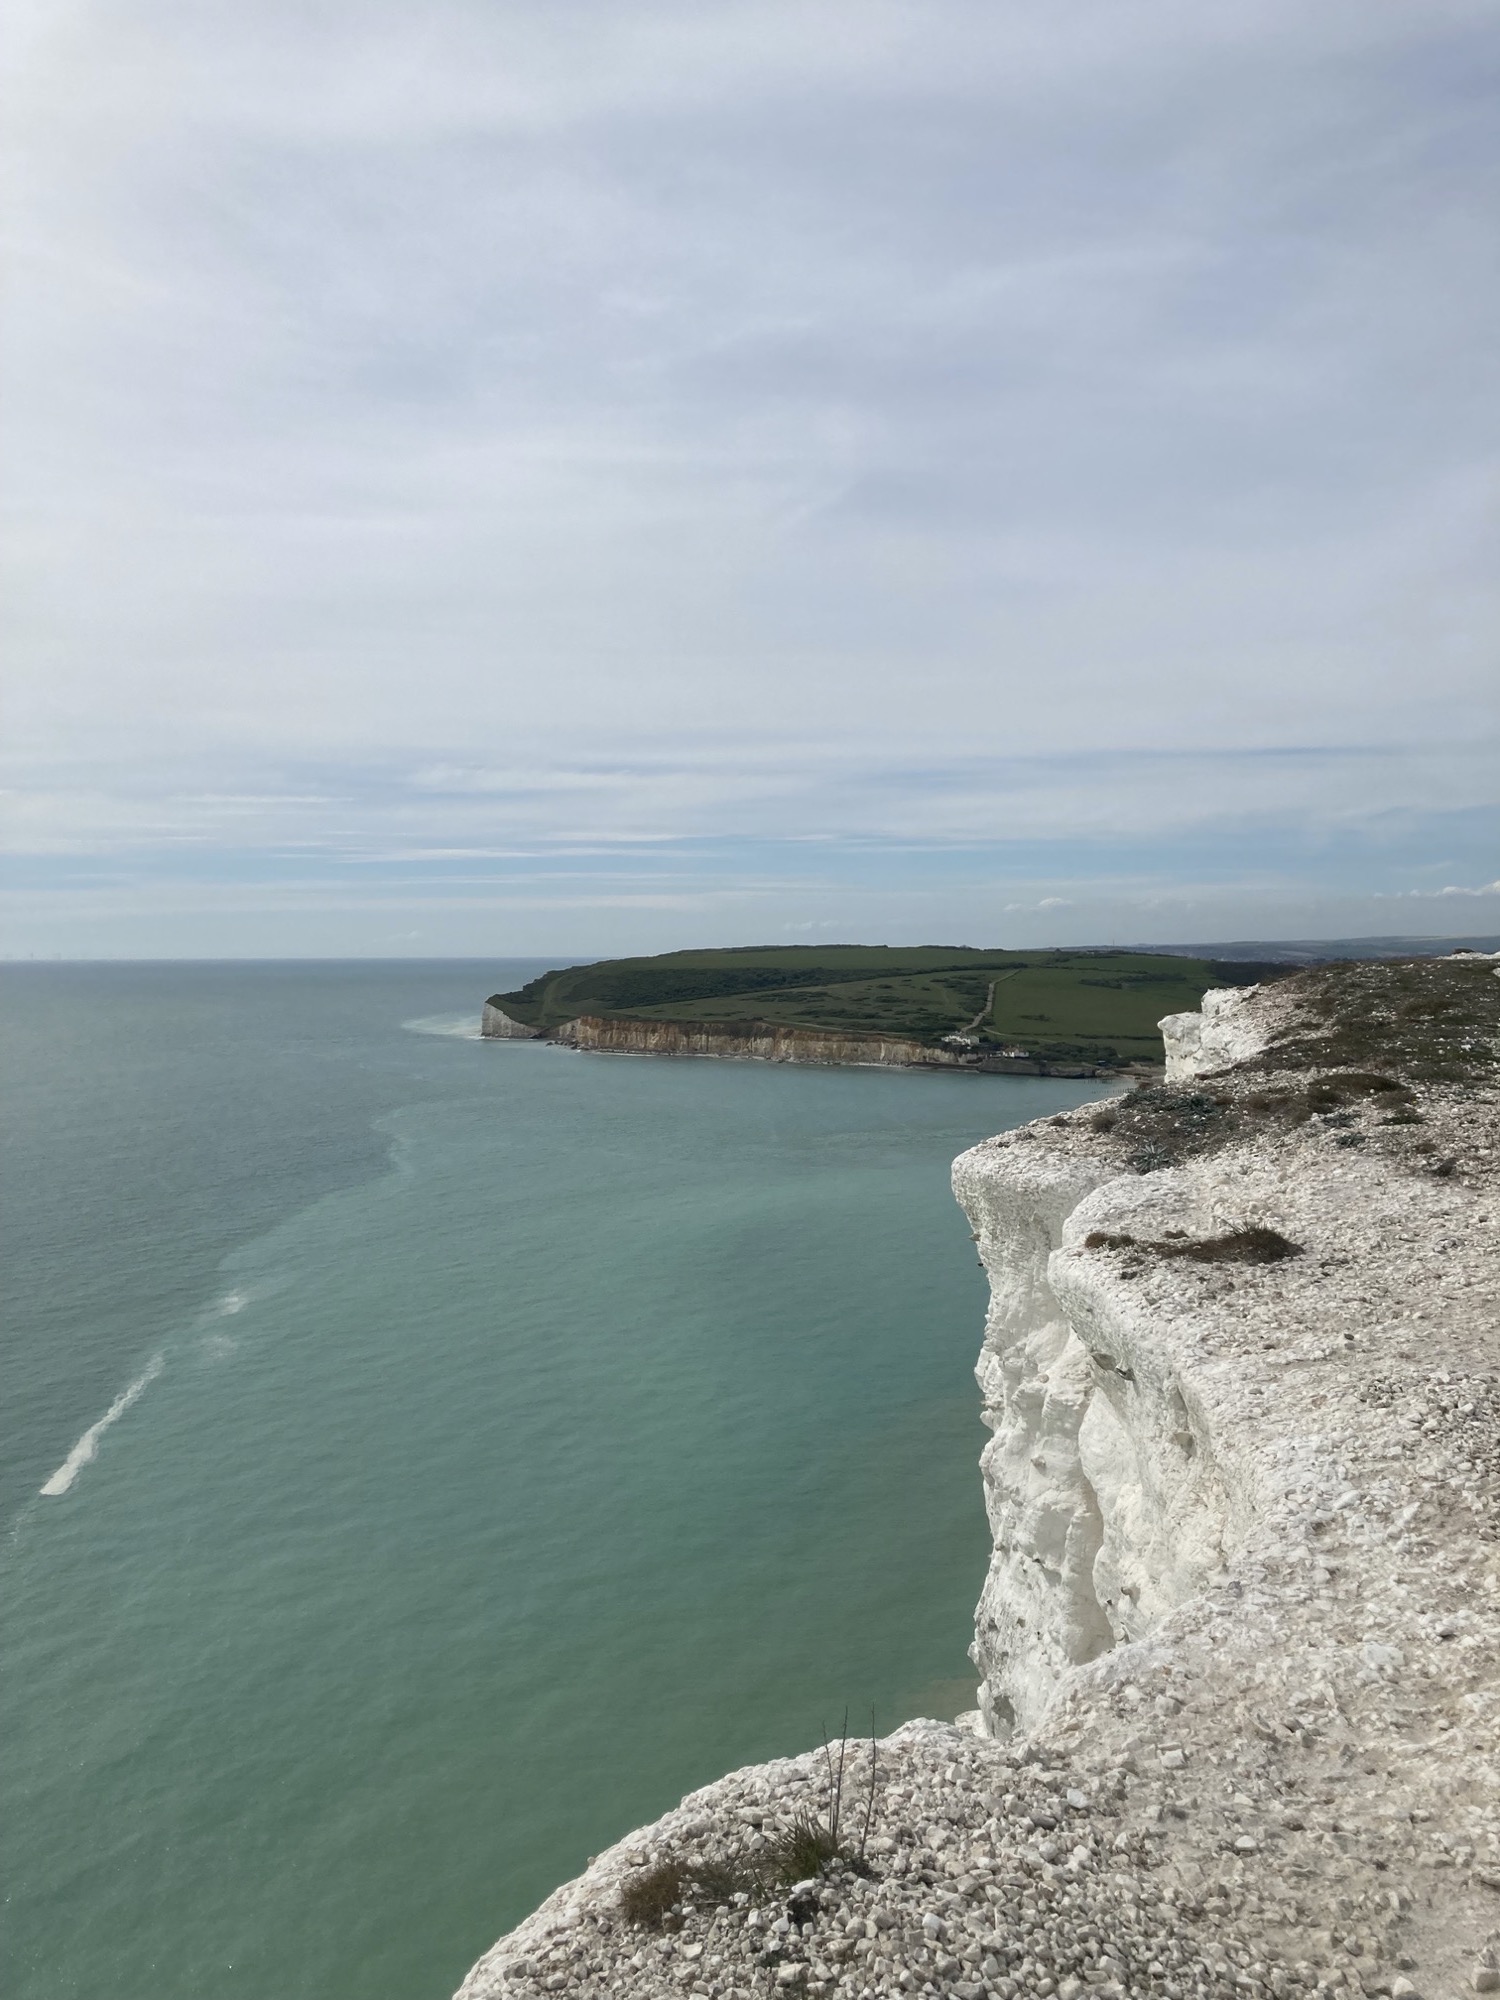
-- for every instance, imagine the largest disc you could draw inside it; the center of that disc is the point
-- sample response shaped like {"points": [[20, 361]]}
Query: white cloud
{"points": [[475, 427], [1453, 889]]}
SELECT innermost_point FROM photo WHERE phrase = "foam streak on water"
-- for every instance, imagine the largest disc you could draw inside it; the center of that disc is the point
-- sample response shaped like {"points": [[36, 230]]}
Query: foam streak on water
{"points": [[87, 1446]]}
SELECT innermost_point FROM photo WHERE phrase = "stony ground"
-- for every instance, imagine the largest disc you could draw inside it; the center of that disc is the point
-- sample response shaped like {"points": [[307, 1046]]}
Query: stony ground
{"points": [[1002, 1871], [1291, 1784]]}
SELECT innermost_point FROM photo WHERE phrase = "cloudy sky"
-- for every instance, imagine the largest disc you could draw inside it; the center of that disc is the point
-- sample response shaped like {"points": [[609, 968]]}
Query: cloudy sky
{"points": [[510, 477]]}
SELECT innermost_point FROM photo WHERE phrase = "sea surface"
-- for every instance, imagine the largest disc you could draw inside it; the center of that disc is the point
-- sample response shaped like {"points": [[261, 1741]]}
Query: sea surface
{"points": [[425, 1459]]}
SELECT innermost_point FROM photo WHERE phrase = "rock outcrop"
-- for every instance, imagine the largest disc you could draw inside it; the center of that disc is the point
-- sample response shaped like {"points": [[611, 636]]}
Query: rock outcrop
{"points": [[1235, 1024], [495, 1025], [1239, 1721]]}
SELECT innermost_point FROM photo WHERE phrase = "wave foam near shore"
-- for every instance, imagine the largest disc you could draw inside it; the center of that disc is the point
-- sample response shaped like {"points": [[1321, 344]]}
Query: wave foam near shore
{"points": [[458, 1027]]}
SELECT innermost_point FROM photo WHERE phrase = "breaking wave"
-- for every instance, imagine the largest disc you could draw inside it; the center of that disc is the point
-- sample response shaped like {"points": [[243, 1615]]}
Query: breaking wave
{"points": [[463, 1027]]}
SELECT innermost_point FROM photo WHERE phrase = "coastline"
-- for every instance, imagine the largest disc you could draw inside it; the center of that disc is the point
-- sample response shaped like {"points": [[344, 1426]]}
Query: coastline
{"points": [[1240, 1643], [762, 1041]]}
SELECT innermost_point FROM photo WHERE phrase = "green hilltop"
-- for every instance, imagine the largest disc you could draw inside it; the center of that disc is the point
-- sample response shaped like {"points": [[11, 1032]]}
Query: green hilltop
{"points": [[1096, 1007]]}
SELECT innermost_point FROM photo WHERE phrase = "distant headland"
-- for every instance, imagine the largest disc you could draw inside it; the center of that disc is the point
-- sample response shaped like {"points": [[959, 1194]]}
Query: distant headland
{"points": [[1028, 1013]]}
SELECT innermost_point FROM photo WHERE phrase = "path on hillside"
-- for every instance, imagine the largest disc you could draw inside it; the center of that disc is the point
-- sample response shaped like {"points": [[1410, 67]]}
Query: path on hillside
{"points": [[989, 1001]]}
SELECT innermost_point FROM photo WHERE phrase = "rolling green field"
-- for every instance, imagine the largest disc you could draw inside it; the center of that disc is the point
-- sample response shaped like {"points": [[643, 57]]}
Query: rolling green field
{"points": [[1094, 1007]]}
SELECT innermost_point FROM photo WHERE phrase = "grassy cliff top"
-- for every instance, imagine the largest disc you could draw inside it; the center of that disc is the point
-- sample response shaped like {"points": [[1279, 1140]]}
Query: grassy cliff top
{"points": [[1063, 1006]]}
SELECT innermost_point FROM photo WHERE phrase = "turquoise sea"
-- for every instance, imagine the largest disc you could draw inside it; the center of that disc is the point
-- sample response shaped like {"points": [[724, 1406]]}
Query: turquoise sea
{"points": [[424, 1459]]}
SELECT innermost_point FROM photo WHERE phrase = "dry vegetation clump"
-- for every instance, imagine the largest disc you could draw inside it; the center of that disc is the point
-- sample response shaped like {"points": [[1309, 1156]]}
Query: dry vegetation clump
{"points": [[805, 1848], [651, 1897], [659, 1897], [1163, 1125], [1236, 1246]]}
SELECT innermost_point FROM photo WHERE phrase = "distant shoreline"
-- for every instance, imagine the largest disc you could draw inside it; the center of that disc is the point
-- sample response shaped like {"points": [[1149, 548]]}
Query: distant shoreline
{"points": [[758, 1041]]}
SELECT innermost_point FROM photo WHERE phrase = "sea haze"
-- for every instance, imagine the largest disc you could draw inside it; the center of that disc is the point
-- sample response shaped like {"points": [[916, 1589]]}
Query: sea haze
{"points": [[427, 1458]]}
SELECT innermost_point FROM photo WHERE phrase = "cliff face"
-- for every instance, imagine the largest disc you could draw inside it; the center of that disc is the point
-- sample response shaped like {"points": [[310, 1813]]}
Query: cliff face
{"points": [[1239, 1722], [1120, 1466], [497, 1026], [763, 1041], [757, 1039], [1163, 1402]]}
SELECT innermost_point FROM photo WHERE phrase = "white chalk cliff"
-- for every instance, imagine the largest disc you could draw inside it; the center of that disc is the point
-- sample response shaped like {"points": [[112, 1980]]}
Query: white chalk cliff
{"points": [[1238, 1730], [495, 1025], [766, 1041]]}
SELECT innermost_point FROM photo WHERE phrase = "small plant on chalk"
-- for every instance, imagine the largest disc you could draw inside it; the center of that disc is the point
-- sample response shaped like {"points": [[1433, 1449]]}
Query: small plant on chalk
{"points": [[804, 1848], [810, 1845], [656, 1898]]}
